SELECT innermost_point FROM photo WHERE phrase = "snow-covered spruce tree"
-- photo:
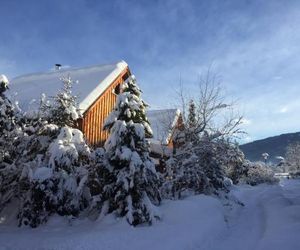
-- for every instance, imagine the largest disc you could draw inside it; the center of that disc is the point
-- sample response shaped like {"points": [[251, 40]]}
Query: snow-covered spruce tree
{"points": [[132, 190], [55, 171], [63, 111], [192, 122], [7, 118], [9, 173]]}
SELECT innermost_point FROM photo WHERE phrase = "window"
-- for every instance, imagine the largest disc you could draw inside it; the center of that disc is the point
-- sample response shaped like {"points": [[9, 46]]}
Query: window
{"points": [[125, 76], [117, 89]]}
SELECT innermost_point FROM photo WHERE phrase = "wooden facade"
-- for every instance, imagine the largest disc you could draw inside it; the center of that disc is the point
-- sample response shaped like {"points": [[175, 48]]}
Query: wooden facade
{"points": [[173, 142], [93, 118]]}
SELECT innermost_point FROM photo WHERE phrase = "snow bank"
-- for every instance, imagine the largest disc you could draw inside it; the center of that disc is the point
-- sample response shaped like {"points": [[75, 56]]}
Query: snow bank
{"points": [[270, 220], [189, 223]]}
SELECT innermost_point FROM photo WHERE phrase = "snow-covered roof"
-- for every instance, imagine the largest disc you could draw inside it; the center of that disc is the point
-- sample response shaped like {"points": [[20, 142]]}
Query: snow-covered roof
{"points": [[163, 123], [89, 84]]}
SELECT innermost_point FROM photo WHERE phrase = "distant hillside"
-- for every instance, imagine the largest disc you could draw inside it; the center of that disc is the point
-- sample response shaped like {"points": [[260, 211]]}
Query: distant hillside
{"points": [[274, 146]]}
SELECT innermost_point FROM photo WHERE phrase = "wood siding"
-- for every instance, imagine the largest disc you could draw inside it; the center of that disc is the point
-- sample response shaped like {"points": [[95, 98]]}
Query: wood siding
{"points": [[93, 119], [179, 126]]}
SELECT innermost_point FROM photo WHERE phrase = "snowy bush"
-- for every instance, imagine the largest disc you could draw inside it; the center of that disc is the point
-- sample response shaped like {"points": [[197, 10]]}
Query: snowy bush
{"points": [[59, 193], [57, 180], [292, 157], [197, 167], [232, 159], [132, 185], [257, 173], [183, 177], [295, 174]]}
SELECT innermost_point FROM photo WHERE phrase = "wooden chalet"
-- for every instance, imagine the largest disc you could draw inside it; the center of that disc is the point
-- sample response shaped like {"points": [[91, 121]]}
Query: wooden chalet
{"points": [[165, 125], [96, 88]]}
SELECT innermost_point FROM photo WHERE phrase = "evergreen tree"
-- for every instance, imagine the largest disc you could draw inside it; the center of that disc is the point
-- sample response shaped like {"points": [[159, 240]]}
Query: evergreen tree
{"points": [[7, 123], [132, 188], [8, 132], [7, 115], [63, 110], [192, 122]]}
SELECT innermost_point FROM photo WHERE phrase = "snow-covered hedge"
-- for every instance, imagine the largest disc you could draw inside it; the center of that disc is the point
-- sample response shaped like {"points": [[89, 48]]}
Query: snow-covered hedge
{"points": [[197, 167], [56, 182], [232, 159], [257, 173], [295, 174]]}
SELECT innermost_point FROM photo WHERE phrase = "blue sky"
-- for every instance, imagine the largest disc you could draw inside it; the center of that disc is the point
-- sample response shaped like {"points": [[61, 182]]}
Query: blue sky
{"points": [[254, 46]]}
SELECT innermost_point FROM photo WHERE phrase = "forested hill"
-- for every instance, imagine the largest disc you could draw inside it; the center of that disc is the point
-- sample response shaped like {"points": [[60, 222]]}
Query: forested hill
{"points": [[274, 146]]}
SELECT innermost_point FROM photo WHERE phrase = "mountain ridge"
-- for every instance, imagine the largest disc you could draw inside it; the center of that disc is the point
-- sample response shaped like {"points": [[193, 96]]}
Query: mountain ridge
{"points": [[274, 146]]}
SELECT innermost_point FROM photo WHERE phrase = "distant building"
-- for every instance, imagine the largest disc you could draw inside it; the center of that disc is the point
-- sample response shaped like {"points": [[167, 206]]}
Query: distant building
{"points": [[165, 125]]}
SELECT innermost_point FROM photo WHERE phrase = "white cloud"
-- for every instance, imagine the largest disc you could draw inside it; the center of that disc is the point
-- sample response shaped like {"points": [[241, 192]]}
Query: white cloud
{"points": [[283, 110]]}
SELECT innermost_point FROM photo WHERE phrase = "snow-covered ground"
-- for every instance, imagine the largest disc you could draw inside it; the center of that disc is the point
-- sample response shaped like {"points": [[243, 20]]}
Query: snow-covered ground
{"points": [[269, 220]]}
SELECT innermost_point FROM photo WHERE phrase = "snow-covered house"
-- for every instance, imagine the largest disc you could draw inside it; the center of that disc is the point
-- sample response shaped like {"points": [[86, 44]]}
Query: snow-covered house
{"points": [[165, 124], [96, 88]]}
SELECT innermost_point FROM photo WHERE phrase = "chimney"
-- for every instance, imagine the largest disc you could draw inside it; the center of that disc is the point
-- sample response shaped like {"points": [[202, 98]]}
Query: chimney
{"points": [[57, 66]]}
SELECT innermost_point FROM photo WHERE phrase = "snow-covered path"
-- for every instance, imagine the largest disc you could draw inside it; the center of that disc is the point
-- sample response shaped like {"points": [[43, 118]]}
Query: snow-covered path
{"points": [[269, 220]]}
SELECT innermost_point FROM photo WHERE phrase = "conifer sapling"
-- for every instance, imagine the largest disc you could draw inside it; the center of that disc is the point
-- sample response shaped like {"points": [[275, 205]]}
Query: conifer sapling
{"points": [[133, 189]]}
